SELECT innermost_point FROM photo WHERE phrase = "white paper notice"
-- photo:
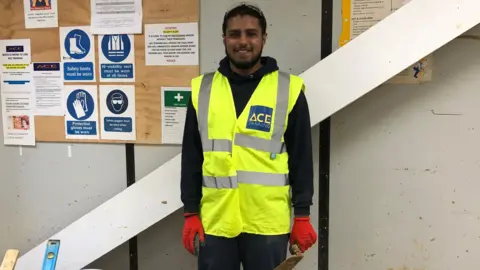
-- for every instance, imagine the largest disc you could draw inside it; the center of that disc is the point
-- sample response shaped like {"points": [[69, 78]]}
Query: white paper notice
{"points": [[81, 114], [41, 13], [15, 51], [116, 16], [174, 111], [77, 47], [117, 58], [117, 112], [171, 44], [366, 13], [17, 104], [48, 84]]}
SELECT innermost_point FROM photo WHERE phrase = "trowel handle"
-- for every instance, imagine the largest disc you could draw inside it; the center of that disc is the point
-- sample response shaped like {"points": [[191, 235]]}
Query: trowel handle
{"points": [[295, 250], [196, 244]]}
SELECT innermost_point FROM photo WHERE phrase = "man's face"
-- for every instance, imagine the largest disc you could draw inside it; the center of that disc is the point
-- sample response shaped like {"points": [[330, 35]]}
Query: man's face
{"points": [[244, 41]]}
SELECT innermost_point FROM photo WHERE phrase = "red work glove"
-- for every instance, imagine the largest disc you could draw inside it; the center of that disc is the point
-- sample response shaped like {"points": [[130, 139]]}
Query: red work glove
{"points": [[191, 228], [303, 235]]}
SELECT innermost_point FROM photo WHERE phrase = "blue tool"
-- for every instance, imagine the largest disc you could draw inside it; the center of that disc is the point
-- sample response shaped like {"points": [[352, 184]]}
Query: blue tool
{"points": [[51, 254]]}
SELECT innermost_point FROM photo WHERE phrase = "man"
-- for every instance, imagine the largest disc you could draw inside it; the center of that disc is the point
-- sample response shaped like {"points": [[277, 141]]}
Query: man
{"points": [[247, 142]]}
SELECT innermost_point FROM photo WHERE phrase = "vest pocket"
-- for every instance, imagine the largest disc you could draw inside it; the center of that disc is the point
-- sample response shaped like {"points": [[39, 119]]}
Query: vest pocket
{"points": [[265, 209], [218, 164], [220, 213]]}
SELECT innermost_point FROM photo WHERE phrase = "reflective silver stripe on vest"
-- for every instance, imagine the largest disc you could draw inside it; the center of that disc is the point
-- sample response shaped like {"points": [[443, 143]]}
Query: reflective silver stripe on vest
{"points": [[266, 179], [216, 145], [274, 145], [281, 109], [271, 146], [203, 104], [220, 182]]}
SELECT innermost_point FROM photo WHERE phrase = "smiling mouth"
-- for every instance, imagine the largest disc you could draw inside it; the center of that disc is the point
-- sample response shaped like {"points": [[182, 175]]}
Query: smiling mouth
{"points": [[243, 51]]}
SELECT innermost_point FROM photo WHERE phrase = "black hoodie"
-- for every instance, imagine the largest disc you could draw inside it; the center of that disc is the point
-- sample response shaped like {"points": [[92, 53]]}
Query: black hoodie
{"points": [[297, 137]]}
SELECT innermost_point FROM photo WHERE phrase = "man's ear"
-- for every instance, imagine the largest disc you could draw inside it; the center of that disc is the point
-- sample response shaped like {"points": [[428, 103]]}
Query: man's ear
{"points": [[265, 38]]}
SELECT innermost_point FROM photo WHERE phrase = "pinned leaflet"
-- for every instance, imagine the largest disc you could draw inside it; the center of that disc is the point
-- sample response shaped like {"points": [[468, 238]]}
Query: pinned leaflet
{"points": [[18, 101], [41, 13], [171, 44], [15, 51], [174, 110], [48, 83], [116, 16]]}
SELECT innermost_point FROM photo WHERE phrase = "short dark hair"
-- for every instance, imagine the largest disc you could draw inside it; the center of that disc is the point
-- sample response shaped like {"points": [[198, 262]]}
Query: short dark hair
{"points": [[245, 9]]}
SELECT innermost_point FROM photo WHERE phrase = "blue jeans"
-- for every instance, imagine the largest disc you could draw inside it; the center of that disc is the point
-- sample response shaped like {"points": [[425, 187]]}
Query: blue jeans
{"points": [[253, 252]]}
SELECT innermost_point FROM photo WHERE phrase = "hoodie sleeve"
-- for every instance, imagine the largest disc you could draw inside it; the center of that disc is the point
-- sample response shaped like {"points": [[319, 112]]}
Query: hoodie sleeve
{"points": [[298, 141], [192, 160]]}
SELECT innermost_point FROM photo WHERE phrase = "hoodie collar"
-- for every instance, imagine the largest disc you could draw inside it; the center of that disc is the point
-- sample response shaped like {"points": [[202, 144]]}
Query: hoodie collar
{"points": [[269, 65]]}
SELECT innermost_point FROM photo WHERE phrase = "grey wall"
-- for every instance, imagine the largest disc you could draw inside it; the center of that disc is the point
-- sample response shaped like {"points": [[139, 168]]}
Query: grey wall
{"points": [[404, 180], [46, 177], [44, 190]]}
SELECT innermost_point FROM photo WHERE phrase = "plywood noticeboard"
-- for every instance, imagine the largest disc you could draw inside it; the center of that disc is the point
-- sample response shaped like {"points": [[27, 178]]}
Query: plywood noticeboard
{"points": [[359, 15], [112, 82]]}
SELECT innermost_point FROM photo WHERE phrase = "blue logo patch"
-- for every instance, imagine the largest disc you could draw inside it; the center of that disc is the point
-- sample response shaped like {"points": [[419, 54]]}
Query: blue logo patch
{"points": [[260, 118]]}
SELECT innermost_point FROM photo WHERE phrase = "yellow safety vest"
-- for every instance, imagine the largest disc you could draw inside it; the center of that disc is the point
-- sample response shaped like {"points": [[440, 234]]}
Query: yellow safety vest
{"points": [[245, 168]]}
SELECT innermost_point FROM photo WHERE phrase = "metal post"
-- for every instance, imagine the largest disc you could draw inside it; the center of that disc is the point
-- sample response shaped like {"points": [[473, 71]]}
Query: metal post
{"points": [[324, 147], [132, 243]]}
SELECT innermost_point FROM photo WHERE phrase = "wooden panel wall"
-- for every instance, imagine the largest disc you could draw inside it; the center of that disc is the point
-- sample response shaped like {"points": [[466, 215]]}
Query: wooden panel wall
{"points": [[45, 46]]}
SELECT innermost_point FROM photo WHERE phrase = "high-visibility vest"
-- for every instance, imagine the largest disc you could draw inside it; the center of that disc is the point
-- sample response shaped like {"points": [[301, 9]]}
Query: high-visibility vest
{"points": [[245, 169]]}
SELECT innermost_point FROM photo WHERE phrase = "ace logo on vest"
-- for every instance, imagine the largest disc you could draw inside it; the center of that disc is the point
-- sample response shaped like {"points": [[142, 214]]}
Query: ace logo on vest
{"points": [[260, 118]]}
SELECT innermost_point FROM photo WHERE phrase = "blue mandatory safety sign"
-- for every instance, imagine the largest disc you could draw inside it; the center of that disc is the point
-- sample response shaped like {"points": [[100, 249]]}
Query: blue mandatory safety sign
{"points": [[78, 45], [116, 48], [117, 103], [80, 106]]}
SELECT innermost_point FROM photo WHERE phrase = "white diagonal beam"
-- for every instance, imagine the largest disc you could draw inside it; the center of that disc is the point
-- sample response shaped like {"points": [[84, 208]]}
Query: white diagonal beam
{"points": [[392, 45]]}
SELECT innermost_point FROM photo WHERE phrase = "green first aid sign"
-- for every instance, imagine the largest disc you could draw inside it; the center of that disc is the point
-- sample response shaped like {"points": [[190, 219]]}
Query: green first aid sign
{"points": [[176, 98]]}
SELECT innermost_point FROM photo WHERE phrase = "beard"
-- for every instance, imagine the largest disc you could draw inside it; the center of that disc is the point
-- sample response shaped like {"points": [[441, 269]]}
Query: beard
{"points": [[244, 65]]}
